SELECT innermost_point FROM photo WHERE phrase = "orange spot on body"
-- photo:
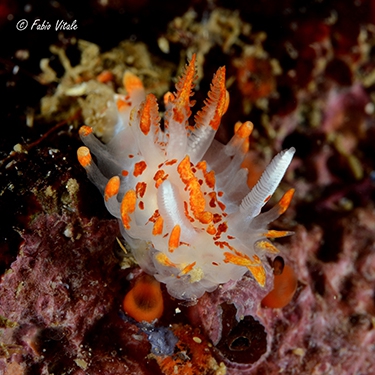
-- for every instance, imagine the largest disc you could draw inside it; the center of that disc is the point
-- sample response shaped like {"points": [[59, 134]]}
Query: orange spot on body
{"points": [[209, 177], [184, 170], [164, 260], [154, 216], [217, 218], [139, 168], [186, 211], [285, 286], [205, 217], [202, 165], [112, 188], [84, 156], [144, 302], [158, 226], [187, 269], [159, 174], [159, 177], [196, 197], [174, 238], [171, 162], [222, 228], [211, 229], [124, 173], [128, 207], [222, 206], [213, 200], [223, 244], [140, 189]]}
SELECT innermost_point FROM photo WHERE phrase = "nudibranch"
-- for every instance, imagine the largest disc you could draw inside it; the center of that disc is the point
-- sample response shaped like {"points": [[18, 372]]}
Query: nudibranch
{"points": [[181, 196]]}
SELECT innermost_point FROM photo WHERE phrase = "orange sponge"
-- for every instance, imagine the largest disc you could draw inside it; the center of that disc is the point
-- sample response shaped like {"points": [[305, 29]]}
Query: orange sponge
{"points": [[285, 285], [144, 302]]}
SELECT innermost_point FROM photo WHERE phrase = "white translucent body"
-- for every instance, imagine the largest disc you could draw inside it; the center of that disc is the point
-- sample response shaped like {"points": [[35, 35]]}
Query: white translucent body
{"points": [[238, 223]]}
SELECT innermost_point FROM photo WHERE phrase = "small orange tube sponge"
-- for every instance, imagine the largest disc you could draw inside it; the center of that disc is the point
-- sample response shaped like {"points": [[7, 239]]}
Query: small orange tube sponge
{"points": [[285, 285], [144, 302]]}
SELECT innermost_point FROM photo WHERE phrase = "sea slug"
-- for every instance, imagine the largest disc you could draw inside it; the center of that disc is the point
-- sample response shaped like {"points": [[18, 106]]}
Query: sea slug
{"points": [[181, 196]]}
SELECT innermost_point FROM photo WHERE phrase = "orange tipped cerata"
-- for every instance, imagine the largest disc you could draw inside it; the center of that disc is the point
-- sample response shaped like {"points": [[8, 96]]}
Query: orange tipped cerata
{"points": [[84, 156], [285, 286], [144, 302]]}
